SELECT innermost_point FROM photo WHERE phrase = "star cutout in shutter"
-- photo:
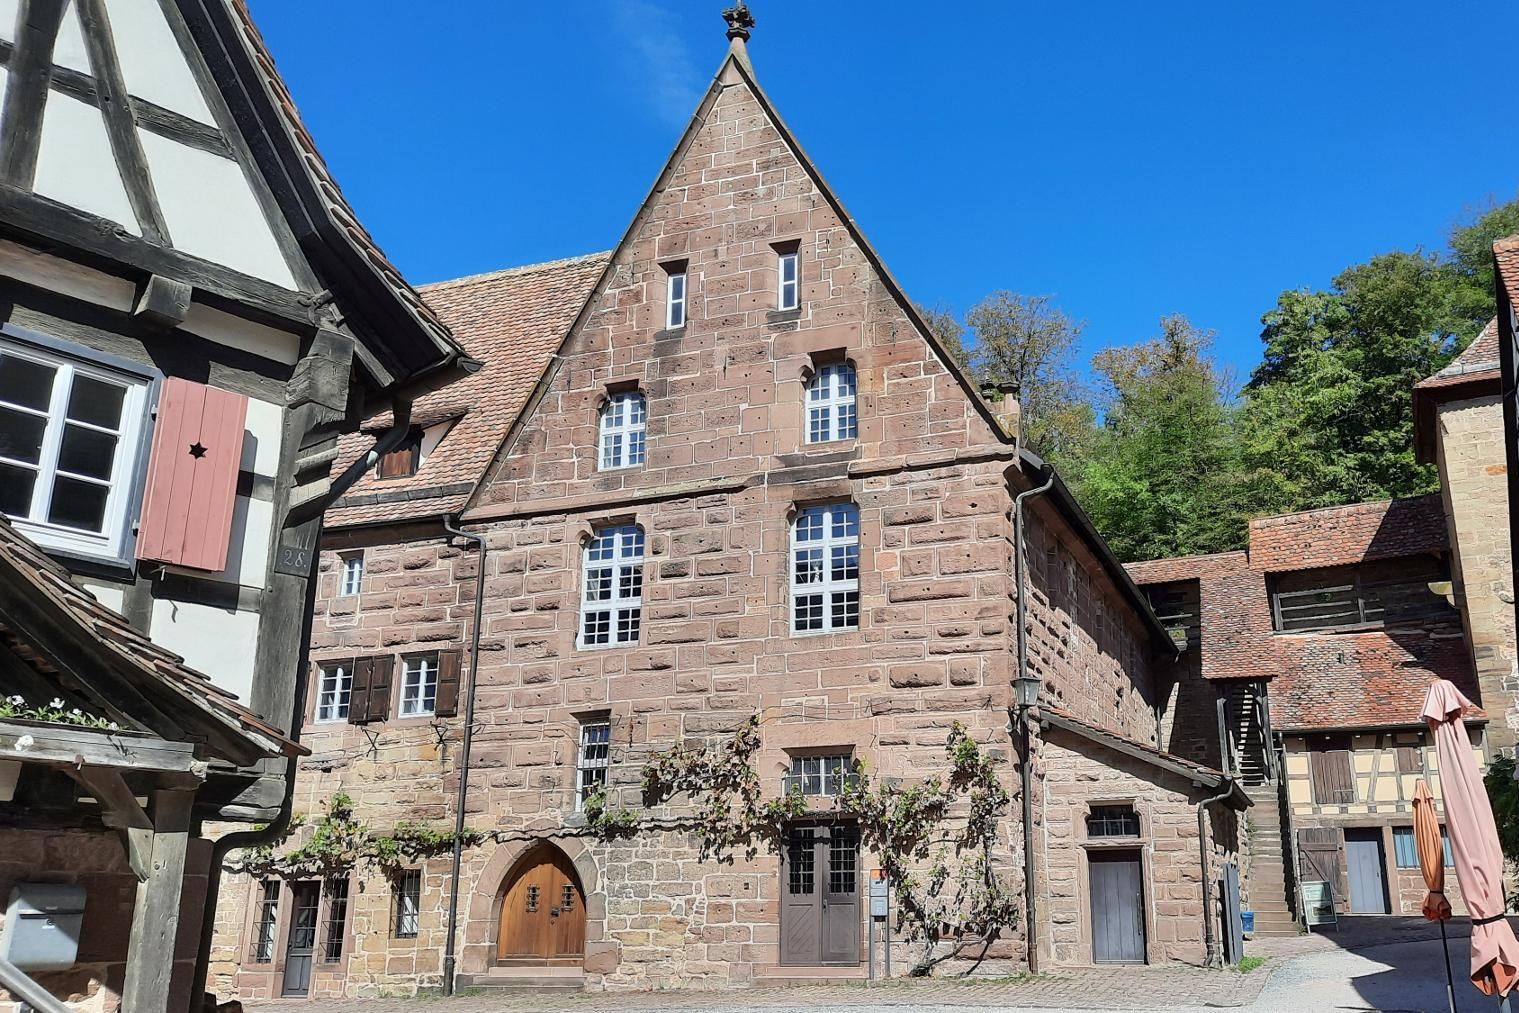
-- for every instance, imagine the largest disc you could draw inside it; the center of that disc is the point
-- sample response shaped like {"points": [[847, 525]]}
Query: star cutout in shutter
{"points": [[197, 451]]}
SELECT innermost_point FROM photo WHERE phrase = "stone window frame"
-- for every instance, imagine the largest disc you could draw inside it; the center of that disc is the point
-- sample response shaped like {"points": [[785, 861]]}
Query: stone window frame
{"points": [[618, 601], [623, 416], [825, 369], [828, 587], [677, 294], [348, 588], [1140, 840], [788, 252]]}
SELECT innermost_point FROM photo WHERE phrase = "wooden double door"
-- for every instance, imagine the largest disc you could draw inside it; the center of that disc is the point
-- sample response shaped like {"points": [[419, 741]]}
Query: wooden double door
{"points": [[542, 912], [820, 894]]}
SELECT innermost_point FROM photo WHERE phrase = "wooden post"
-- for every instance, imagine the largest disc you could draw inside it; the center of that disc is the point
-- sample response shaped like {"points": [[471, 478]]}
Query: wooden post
{"points": [[155, 916]]}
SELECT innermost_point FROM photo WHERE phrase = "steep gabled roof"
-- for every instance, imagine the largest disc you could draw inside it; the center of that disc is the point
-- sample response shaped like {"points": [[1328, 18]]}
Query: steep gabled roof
{"points": [[512, 320], [405, 339], [735, 70], [83, 651]]}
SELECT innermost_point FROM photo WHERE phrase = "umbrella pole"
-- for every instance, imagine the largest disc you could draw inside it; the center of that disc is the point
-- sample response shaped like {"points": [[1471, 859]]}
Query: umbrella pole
{"points": [[1450, 982]]}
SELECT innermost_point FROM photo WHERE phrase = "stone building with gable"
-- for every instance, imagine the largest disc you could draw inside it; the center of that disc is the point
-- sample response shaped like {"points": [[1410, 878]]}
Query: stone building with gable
{"points": [[741, 480]]}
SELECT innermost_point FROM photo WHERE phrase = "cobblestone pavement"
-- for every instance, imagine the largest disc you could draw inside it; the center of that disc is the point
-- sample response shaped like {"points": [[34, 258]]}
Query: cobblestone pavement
{"points": [[1386, 965]]}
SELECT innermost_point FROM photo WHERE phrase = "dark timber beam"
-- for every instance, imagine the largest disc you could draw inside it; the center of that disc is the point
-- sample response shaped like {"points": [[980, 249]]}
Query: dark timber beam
{"points": [[120, 123], [155, 915], [26, 90]]}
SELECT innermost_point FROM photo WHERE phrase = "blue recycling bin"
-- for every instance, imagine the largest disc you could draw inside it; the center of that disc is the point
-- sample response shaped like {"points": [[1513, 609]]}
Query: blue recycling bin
{"points": [[1247, 921]]}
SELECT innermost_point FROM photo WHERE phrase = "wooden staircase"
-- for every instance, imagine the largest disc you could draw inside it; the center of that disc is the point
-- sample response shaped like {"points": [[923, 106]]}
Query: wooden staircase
{"points": [[1269, 863]]}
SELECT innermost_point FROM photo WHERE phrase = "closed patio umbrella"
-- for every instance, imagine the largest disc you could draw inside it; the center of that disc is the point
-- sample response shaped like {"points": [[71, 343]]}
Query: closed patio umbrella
{"points": [[1431, 851], [1473, 841]]}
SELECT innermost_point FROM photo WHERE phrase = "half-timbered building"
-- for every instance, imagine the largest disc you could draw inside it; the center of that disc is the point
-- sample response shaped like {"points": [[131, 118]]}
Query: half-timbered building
{"points": [[742, 480], [190, 316]]}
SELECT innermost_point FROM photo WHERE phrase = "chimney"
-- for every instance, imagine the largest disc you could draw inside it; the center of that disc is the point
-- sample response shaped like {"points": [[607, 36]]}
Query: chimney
{"points": [[1003, 398]]}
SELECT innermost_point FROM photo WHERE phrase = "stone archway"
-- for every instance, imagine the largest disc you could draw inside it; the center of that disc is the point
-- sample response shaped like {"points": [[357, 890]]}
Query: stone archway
{"points": [[482, 929]]}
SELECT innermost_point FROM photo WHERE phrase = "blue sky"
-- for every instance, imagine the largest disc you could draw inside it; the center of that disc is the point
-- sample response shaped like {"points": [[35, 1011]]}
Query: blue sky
{"points": [[1130, 159]]}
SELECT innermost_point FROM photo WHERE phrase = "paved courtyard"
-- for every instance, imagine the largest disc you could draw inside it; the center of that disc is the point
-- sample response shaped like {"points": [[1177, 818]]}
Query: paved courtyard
{"points": [[1391, 965]]}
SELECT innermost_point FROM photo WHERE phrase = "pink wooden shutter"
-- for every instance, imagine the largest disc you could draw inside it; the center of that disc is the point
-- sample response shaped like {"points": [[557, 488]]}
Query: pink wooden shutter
{"points": [[192, 475]]}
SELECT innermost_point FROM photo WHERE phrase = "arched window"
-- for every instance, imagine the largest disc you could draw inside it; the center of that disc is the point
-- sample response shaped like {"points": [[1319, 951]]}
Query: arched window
{"points": [[830, 404], [612, 578], [825, 568], [622, 430]]}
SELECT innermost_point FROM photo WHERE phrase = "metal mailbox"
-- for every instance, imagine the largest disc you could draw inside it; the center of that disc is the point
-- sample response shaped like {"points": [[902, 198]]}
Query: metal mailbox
{"points": [[42, 924]]}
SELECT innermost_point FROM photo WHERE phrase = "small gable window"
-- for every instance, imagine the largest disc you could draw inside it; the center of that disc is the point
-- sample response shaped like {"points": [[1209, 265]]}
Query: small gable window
{"points": [[789, 295], [403, 461], [623, 421], [675, 297], [831, 413], [825, 568], [1112, 821], [612, 575]]}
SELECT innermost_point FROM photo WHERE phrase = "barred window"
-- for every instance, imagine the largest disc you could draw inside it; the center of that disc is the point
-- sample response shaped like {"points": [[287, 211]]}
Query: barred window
{"points": [[1112, 821], [408, 894], [612, 577], [624, 421], [268, 921], [595, 758], [819, 775], [825, 569], [831, 413], [337, 918]]}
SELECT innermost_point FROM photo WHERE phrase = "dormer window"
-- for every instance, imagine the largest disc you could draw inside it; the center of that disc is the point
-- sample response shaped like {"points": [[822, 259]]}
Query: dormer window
{"points": [[788, 295], [675, 296], [403, 461], [623, 422]]}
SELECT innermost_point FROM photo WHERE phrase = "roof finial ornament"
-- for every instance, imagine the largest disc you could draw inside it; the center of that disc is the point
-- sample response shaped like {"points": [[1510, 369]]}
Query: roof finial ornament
{"points": [[740, 21]]}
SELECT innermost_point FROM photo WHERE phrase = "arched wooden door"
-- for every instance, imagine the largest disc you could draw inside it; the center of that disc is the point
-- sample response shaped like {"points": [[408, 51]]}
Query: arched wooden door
{"points": [[542, 911]]}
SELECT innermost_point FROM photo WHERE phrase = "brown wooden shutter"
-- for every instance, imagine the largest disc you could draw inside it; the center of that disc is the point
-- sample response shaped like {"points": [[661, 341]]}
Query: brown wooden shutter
{"points": [[380, 686], [403, 461], [1333, 779], [192, 475], [449, 668], [358, 693], [1410, 759]]}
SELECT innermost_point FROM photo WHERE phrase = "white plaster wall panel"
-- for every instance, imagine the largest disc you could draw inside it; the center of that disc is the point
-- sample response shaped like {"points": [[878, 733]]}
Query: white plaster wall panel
{"points": [[262, 432], [43, 271], [10, 12], [112, 596], [235, 332], [152, 63], [75, 165], [211, 211], [69, 49], [219, 642]]}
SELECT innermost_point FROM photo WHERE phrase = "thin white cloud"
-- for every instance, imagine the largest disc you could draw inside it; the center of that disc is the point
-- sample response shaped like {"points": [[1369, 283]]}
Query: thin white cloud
{"points": [[664, 73]]}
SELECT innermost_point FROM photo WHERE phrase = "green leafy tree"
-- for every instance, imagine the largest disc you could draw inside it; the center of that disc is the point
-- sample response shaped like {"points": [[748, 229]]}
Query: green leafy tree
{"points": [[1160, 477], [1472, 258], [1028, 341], [950, 332]]}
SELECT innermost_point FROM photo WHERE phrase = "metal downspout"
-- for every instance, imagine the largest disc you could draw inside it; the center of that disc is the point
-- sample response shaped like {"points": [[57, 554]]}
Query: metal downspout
{"points": [[32, 995], [449, 947], [1027, 698], [388, 441], [1213, 957]]}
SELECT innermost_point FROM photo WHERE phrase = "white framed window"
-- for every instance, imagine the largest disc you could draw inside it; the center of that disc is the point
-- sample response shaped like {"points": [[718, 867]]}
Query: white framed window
{"points": [[70, 444], [351, 578], [820, 775], [624, 427], [334, 688], [675, 299], [788, 295], [419, 685], [595, 759], [831, 412], [825, 568], [612, 576]]}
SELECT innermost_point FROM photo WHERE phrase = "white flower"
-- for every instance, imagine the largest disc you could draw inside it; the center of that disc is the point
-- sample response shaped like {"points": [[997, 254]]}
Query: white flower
{"points": [[56, 703], [113, 726], [77, 712], [18, 700]]}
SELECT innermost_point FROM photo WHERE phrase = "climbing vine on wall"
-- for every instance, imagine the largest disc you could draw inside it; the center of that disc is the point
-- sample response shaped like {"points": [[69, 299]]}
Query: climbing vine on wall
{"points": [[935, 839]]}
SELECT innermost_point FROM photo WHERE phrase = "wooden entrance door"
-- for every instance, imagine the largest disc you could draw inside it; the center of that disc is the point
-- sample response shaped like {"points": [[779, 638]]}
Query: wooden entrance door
{"points": [[1118, 913], [1365, 863], [305, 900], [820, 895], [542, 912]]}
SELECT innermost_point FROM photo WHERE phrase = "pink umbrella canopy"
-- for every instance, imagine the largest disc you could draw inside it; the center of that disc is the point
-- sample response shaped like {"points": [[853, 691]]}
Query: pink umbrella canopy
{"points": [[1473, 841]]}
